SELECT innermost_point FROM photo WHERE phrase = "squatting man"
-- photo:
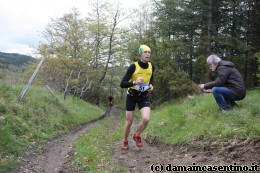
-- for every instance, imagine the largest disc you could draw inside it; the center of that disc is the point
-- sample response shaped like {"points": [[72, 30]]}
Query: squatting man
{"points": [[229, 85]]}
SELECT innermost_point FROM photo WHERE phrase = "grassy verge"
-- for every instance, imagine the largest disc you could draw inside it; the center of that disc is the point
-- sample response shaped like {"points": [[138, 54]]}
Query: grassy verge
{"points": [[39, 117], [177, 122], [181, 121], [93, 150]]}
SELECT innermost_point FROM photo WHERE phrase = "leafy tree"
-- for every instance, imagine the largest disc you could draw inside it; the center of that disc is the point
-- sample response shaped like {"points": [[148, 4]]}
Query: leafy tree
{"points": [[94, 42], [181, 34], [66, 36], [208, 27]]}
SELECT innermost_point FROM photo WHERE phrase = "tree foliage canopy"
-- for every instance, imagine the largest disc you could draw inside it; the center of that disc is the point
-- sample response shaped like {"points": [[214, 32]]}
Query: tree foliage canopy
{"points": [[180, 33]]}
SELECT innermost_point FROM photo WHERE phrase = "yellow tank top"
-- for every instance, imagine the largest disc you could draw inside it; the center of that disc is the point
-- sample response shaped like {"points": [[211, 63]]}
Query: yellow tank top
{"points": [[140, 72]]}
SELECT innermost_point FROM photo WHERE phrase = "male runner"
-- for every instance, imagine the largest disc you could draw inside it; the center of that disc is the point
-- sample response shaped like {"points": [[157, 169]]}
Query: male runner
{"points": [[139, 81]]}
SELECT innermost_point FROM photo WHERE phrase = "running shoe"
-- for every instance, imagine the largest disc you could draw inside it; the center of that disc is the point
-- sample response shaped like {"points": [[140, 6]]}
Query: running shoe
{"points": [[125, 145], [138, 140]]}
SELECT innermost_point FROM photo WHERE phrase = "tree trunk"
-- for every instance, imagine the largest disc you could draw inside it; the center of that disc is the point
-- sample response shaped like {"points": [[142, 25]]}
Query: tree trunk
{"points": [[209, 41]]}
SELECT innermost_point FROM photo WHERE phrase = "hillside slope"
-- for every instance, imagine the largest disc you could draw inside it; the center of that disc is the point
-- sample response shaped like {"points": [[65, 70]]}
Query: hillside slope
{"points": [[180, 122], [12, 65], [7, 59], [38, 118], [182, 133]]}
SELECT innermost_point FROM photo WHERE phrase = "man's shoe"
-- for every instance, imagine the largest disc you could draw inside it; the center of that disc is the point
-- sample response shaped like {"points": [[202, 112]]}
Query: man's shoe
{"points": [[125, 145], [233, 104], [224, 110], [138, 140]]}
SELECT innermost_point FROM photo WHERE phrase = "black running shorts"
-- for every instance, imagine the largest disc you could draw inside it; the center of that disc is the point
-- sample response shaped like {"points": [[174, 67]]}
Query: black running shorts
{"points": [[131, 101]]}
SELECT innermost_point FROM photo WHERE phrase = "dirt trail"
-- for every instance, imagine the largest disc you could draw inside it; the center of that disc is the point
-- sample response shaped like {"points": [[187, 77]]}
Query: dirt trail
{"points": [[151, 157], [55, 153]]}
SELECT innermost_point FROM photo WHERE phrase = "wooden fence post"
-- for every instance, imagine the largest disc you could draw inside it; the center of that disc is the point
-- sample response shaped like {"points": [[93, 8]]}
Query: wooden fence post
{"points": [[30, 80]]}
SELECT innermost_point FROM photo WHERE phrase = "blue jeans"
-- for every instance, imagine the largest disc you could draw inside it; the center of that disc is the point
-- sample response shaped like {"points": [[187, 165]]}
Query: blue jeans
{"points": [[223, 96]]}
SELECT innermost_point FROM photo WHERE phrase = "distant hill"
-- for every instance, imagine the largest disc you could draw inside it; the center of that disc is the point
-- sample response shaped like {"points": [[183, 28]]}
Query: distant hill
{"points": [[12, 65], [13, 59]]}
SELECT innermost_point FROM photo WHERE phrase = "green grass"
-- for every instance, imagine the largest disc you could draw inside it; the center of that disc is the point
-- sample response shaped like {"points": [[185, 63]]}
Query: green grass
{"points": [[39, 117], [178, 122], [93, 150], [181, 121]]}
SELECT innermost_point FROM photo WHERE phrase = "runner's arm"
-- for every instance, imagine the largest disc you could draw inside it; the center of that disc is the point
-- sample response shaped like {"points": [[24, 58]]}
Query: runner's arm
{"points": [[125, 81], [151, 80]]}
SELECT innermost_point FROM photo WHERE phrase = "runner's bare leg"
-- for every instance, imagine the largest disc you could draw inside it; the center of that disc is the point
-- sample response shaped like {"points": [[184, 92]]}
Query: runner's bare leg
{"points": [[145, 113], [128, 123]]}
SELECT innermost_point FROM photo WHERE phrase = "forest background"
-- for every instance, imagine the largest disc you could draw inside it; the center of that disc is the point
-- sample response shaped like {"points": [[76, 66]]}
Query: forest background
{"points": [[87, 56]]}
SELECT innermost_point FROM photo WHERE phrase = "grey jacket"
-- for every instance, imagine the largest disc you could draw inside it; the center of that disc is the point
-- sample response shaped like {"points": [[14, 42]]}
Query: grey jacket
{"points": [[228, 76]]}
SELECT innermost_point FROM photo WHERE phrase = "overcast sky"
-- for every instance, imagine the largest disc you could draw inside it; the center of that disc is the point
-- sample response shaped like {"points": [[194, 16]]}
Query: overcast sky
{"points": [[23, 21]]}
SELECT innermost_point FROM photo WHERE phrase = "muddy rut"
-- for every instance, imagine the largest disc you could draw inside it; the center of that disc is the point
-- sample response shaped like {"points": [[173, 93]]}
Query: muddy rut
{"points": [[154, 156]]}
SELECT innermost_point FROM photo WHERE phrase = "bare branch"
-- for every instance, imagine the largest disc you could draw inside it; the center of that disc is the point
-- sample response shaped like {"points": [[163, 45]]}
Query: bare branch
{"points": [[66, 88]]}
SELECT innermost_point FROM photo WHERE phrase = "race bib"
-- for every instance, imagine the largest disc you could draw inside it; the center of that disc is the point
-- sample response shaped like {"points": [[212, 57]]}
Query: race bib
{"points": [[142, 87]]}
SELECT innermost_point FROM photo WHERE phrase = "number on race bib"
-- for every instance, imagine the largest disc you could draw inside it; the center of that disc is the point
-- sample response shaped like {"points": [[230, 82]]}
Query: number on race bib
{"points": [[142, 87]]}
